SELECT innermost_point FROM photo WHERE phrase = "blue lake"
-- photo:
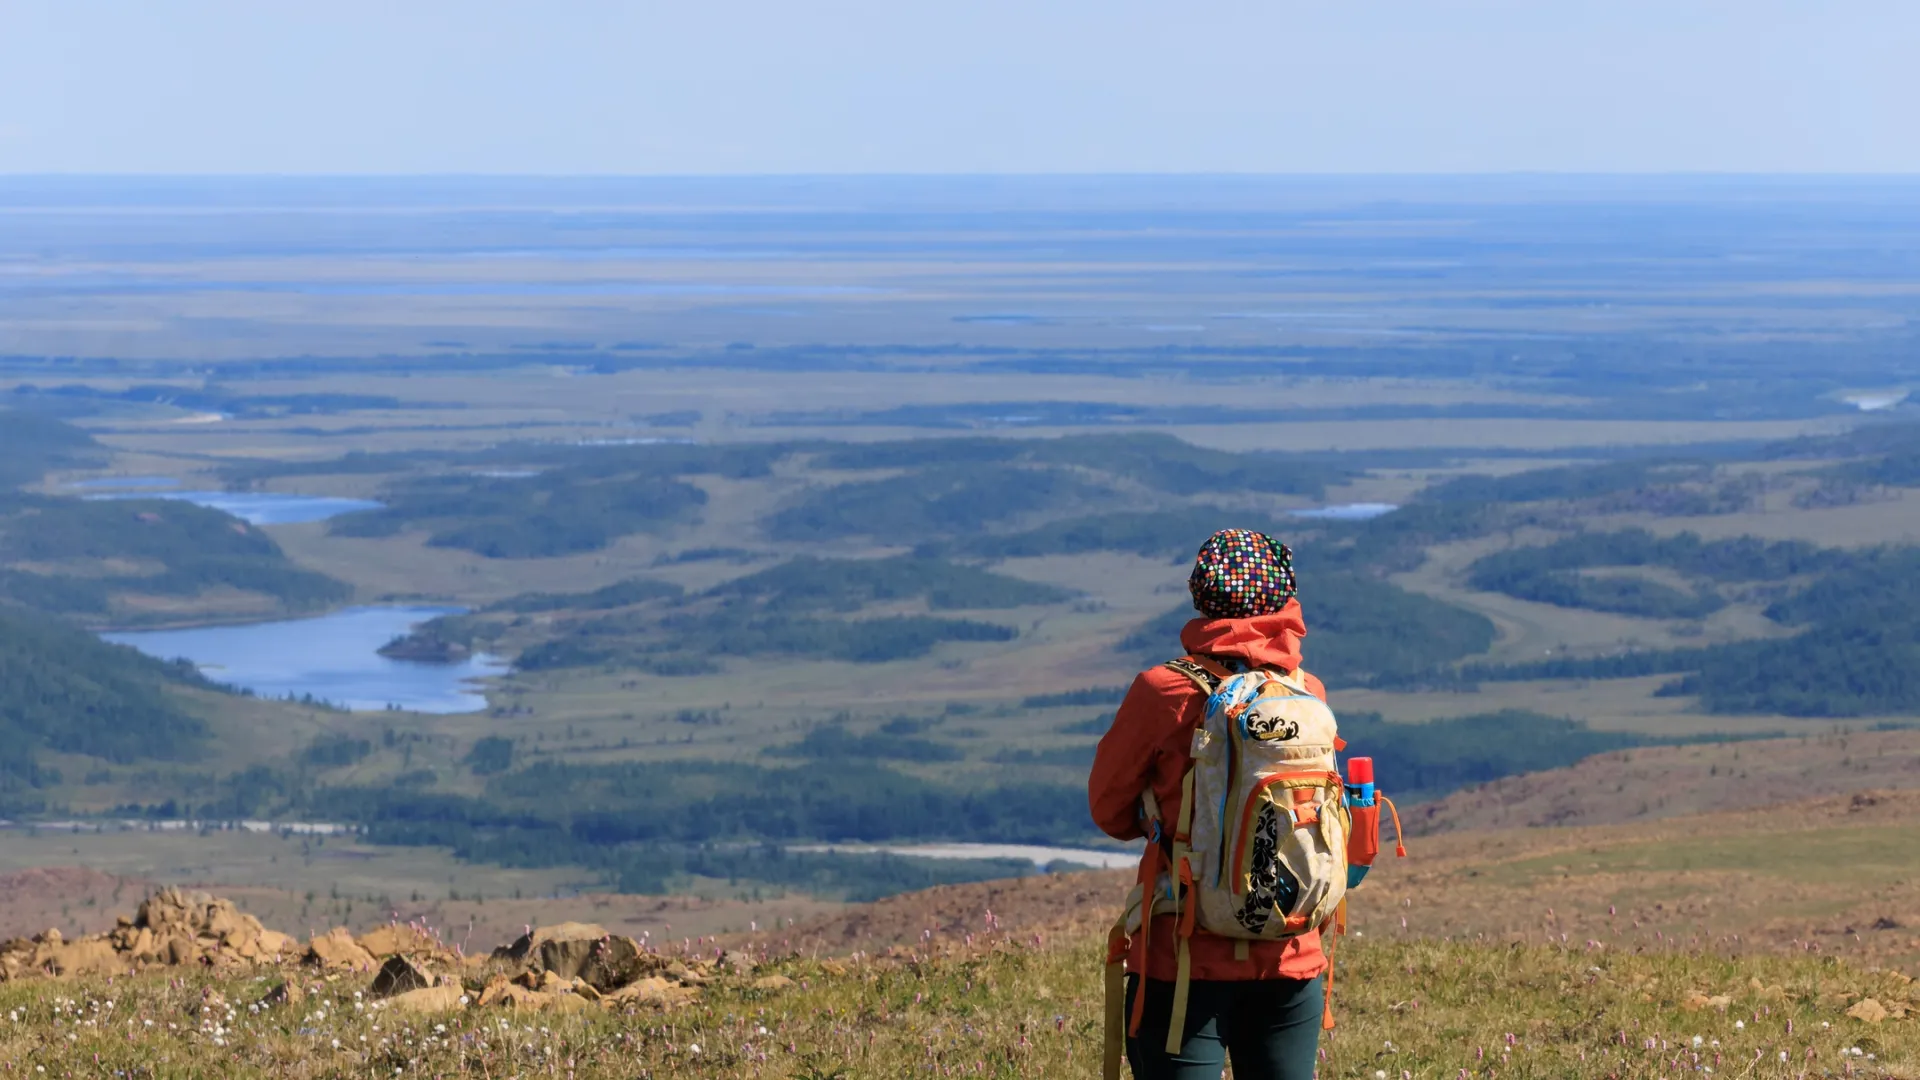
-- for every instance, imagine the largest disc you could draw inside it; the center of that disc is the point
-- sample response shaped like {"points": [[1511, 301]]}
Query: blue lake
{"points": [[259, 507], [333, 657], [1346, 511]]}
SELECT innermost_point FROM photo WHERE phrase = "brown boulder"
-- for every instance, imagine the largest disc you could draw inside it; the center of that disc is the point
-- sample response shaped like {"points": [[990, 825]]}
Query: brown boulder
{"points": [[336, 950], [399, 975], [87, 956], [687, 975], [526, 948], [656, 991], [579, 951], [180, 927], [395, 939], [613, 962], [274, 944], [526, 999], [497, 991], [138, 943]]}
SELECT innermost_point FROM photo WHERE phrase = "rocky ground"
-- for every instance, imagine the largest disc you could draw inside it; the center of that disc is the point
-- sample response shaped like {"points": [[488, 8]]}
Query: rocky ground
{"points": [[404, 965]]}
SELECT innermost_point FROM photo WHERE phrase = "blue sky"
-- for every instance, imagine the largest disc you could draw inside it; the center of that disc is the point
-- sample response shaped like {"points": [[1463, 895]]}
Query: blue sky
{"points": [[936, 86]]}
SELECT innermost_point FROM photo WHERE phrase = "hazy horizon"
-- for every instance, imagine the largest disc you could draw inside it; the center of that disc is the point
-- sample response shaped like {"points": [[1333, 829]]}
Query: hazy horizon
{"points": [[988, 87]]}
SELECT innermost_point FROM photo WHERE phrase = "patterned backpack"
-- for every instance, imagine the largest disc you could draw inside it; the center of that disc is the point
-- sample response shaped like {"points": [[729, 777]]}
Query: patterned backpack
{"points": [[1260, 852]]}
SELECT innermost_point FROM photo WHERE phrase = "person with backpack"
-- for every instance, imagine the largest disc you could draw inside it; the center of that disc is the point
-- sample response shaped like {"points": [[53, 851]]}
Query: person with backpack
{"points": [[1224, 761]]}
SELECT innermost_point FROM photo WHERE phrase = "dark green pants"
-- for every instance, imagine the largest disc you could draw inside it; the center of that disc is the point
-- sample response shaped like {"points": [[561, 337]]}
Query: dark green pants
{"points": [[1269, 1027]]}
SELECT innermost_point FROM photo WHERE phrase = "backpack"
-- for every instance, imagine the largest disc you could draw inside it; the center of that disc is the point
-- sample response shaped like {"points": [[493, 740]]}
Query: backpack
{"points": [[1260, 852]]}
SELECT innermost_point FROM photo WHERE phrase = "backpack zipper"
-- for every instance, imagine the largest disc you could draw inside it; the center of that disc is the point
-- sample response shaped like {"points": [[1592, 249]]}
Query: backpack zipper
{"points": [[1246, 810]]}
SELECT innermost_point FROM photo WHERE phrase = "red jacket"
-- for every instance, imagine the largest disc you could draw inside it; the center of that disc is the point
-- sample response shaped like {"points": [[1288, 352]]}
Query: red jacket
{"points": [[1148, 745]]}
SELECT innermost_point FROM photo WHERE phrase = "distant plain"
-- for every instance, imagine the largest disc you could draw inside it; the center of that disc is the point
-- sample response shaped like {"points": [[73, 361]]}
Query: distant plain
{"points": [[1400, 335]]}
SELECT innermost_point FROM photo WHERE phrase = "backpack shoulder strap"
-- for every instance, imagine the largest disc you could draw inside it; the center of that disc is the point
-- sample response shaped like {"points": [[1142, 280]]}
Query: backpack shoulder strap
{"points": [[1289, 679], [1205, 672]]}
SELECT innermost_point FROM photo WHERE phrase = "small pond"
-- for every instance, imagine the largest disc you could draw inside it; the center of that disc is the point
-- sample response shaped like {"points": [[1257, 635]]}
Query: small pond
{"points": [[260, 507], [1346, 511], [332, 657]]}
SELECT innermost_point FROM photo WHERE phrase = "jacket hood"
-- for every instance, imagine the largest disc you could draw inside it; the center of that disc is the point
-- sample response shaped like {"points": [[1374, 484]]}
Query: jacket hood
{"points": [[1262, 641]]}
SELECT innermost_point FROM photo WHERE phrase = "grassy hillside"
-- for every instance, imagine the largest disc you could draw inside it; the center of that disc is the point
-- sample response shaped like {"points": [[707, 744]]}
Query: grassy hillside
{"points": [[143, 560], [32, 445], [63, 690]]}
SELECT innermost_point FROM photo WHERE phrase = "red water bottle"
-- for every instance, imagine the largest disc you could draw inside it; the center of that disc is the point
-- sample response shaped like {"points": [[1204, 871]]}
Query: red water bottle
{"points": [[1363, 844]]}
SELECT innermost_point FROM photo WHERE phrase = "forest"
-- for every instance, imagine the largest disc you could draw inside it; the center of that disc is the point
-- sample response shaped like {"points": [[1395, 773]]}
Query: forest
{"points": [[1856, 653], [33, 445], [814, 584], [785, 609], [1551, 574], [526, 517], [62, 689], [183, 550]]}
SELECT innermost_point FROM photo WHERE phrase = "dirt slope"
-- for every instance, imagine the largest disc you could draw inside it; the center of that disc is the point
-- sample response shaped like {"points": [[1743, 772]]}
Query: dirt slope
{"points": [[75, 899], [1044, 904], [1668, 781]]}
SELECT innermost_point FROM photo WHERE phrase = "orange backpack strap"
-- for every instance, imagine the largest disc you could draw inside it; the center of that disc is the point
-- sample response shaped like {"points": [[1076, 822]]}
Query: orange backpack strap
{"points": [[1337, 924], [1205, 672], [1399, 837]]}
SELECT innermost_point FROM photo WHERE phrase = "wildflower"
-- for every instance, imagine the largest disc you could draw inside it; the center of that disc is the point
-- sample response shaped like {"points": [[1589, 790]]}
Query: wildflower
{"points": [[1739, 1025]]}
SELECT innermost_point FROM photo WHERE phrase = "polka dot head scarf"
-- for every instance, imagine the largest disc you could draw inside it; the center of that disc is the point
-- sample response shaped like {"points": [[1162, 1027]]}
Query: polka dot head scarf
{"points": [[1239, 574]]}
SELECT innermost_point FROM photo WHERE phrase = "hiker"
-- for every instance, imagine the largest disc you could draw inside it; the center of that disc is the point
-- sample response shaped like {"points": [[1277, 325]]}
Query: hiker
{"points": [[1259, 1002]]}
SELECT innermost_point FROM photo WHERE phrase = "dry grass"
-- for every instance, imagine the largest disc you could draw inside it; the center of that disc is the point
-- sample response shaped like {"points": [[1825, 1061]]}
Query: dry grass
{"points": [[1668, 781], [1004, 1008]]}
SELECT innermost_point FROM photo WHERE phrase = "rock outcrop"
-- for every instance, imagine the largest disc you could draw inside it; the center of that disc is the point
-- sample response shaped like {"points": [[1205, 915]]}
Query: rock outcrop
{"points": [[171, 927], [560, 968]]}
